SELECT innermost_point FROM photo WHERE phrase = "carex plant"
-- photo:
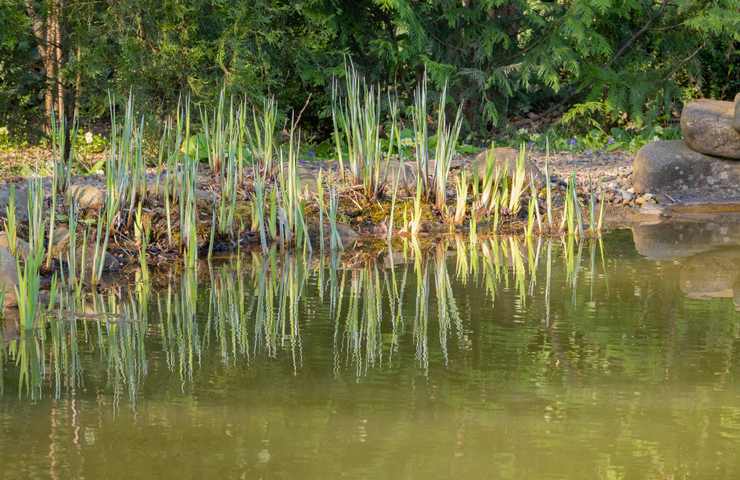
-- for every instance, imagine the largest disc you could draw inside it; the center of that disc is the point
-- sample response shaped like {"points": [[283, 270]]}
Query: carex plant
{"points": [[358, 122]]}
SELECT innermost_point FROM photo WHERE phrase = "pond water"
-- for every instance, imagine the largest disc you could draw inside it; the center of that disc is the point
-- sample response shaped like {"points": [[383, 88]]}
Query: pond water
{"points": [[504, 359]]}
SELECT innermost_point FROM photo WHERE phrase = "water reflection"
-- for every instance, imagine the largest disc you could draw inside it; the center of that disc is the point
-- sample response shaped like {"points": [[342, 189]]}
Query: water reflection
{"points": [[256, 306], [454, 358], [709, 252]]}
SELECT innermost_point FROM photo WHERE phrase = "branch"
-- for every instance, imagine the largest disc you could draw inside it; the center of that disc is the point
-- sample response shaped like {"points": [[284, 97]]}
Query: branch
{"points": [[637, 34]]}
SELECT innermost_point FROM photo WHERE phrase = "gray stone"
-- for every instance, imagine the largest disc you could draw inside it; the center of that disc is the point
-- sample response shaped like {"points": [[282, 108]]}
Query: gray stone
{"points": [[736, 120], [20, 245], [110, 263], [8, 277], [61, 241], [346, 234], [707, 127], [21, 200], [670, 166]]}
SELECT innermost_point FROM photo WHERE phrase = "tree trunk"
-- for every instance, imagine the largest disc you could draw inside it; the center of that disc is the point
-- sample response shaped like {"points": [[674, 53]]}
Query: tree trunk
{"points": [[58, 56], [78, 87], [41, 34], [48, 34]]}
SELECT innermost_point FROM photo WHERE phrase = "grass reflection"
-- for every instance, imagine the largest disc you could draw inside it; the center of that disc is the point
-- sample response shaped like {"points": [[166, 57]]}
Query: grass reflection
{"points": [[256, 306]]}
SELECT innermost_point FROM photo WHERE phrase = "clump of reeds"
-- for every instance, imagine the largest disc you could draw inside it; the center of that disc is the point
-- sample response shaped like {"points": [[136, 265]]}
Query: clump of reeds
{"points": [[446, 137], [329, 211], [335, 239], [412, 225], [290, 211], [518, 182], [29, 268], [357, 125], [11, 223], [462, 198], [261, 137], [445, 151], [222, 130], [595, 219], [571, 221], [62, 153]]}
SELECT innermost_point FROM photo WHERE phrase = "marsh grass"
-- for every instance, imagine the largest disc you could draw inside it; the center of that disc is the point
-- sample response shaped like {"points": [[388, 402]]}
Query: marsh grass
{"points": [[357, 120], [445, 150], [11, 223], [462, 198], [335, 240], [518, 182], [261, 137], [421, 132], [28, 269], [292, 228]]}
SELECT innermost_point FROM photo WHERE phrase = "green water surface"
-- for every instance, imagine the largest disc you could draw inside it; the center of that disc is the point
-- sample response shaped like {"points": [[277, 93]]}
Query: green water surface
{"points": [[501, 359]]}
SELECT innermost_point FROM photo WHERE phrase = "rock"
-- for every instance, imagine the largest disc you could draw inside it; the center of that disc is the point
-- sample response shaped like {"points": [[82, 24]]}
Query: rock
{"points": [[670, 166], [504, 157], [88, 196], [645, 199], [61, 241], [707, 127], [346, 234], [110, 263], [8, 278], [20, 244], [21, 200], [9, 327], [406, 173], [626, 196]]}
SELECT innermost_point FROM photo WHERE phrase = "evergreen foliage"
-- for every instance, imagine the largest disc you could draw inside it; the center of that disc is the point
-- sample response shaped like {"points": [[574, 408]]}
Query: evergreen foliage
{"points": [[612, 61]]}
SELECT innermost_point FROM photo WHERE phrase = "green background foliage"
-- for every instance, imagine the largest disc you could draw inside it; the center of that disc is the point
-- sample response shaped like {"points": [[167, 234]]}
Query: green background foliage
{"points": [[618, 63]]}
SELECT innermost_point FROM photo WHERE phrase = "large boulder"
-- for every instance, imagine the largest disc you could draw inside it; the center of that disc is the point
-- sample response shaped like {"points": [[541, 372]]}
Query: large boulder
{"points": [[8, 278], [669, 166], [87, 195], [707, 127]]}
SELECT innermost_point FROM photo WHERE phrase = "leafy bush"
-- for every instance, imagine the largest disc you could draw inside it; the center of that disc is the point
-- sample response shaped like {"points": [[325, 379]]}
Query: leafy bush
{"points": [[605, 63]]}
